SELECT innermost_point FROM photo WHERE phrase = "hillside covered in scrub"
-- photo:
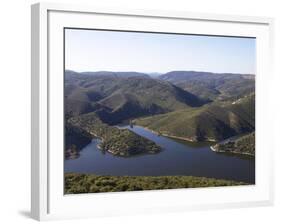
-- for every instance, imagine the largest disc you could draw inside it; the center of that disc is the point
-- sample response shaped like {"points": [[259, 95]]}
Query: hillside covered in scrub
{"points": [[212, 122], [90, 183], [116, 97]]}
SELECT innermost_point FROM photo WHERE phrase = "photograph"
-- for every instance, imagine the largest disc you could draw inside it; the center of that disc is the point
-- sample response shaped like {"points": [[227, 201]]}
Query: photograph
{"points": [[155, 111]]}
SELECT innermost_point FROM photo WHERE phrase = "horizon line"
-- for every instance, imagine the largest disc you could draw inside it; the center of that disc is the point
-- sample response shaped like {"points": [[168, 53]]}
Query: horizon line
{"points": [[160, 73]]}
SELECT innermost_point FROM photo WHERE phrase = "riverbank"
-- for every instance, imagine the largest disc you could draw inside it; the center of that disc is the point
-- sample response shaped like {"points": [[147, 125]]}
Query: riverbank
{"points": [[119, 142], [232, 152], [207, 140], [72, 153], [241, 145], [193, 140]]}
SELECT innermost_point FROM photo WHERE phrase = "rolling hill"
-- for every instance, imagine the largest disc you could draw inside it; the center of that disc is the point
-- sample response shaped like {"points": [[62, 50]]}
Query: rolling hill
{"points": [[212, 86], [212, 122]]}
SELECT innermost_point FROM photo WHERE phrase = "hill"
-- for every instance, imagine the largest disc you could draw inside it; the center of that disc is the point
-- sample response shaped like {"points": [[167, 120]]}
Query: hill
{"points": [[212, 122], [116, 97], [120, 142], [242, 145], [212, 86]]}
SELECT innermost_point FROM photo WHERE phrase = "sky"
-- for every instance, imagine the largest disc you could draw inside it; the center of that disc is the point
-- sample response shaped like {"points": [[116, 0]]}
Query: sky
{"points": [[97, 50]]}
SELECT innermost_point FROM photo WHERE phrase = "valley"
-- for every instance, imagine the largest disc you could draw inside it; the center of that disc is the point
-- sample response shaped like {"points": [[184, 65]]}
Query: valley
{"points": [[143, 120], [96, 101]]}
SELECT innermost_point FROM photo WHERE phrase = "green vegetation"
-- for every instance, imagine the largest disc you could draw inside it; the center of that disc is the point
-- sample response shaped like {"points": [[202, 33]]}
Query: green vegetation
{"points": [[121, 142], [90, 183], [242, 145], [212, 122]]}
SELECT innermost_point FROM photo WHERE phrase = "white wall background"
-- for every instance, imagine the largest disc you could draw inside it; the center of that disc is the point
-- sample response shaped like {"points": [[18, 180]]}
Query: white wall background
{"points": [[15, 110]]}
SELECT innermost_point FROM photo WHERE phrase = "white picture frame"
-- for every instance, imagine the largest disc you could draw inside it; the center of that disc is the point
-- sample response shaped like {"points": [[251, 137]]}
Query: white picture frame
{"points": [[48, 201]]}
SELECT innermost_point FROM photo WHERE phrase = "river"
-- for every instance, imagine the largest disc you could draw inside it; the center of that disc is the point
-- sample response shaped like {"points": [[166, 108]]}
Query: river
{"points": [[176, 158]]}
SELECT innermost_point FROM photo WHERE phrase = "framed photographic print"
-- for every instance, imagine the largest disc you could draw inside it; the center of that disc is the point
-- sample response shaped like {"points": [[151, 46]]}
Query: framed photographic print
{"points": [[161, 111]]}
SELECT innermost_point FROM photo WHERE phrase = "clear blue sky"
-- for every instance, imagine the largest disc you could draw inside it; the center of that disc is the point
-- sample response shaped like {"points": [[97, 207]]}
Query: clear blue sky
{"points": [[91, 50]]}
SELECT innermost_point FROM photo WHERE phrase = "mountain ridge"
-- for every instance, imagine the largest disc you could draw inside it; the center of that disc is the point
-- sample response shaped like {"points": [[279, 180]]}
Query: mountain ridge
{"points": [[110, 94]]}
